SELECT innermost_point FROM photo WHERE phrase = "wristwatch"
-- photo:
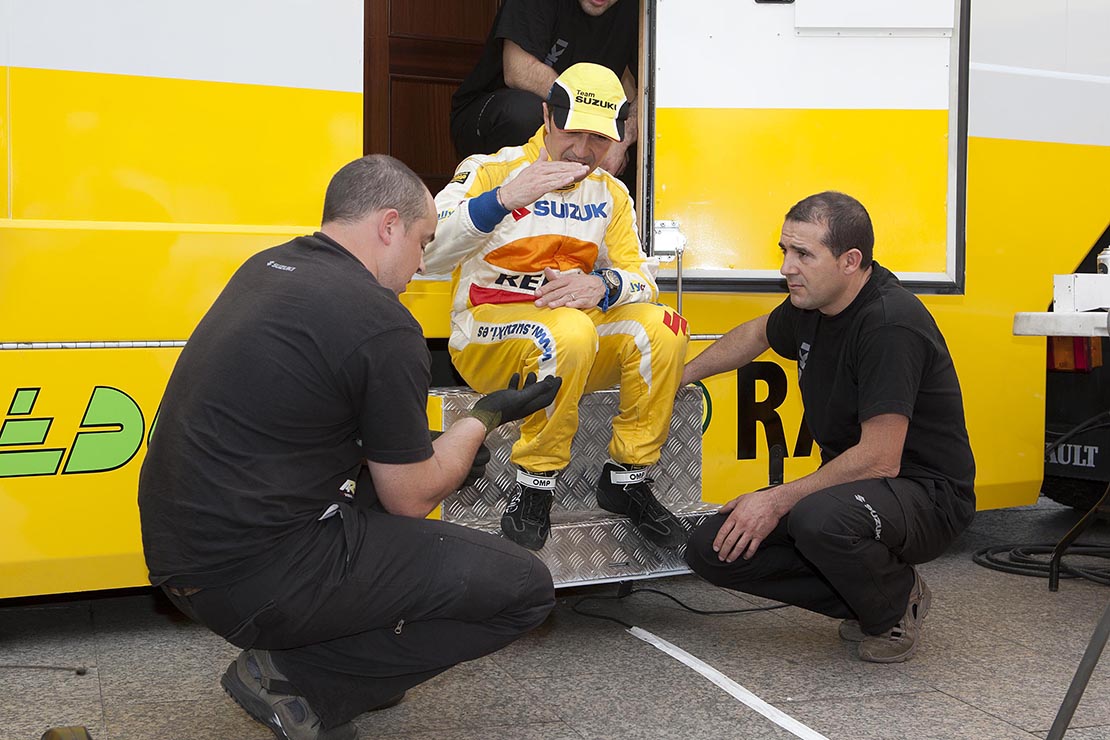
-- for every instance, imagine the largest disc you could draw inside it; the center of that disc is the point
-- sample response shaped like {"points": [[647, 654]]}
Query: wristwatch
{"points": [[612, 280]]}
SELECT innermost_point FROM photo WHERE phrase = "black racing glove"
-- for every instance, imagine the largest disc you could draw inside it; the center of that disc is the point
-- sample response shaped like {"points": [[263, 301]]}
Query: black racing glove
{"points": [[477, 467], [501, 407]]}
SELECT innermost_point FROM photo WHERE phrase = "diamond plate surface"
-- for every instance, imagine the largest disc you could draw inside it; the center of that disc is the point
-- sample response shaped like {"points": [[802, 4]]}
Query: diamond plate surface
{"points": [[588, 544], [677, 476], [594, 546]]}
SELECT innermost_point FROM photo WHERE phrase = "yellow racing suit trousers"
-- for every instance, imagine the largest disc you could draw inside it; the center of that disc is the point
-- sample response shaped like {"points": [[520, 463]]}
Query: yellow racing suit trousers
{"points": [[640, 346]]}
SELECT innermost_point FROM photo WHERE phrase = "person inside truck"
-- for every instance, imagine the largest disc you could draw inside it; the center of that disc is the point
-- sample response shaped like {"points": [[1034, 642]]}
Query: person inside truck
{"points": [[283, 496], [881, 398], [530, 44], [549, 278]]}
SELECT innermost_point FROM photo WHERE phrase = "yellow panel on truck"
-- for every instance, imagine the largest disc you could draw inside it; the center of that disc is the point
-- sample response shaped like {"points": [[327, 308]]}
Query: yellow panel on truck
{"points": [[784, 100], [140, 169]]}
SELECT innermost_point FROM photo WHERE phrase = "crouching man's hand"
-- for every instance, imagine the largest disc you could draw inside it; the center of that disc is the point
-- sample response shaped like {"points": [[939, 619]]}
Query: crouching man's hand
{"points": [[511, 404], [751, 518]]}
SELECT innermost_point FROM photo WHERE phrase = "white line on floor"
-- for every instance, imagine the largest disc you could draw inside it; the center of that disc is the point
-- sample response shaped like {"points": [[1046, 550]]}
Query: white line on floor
{"points": [[780, 718]]}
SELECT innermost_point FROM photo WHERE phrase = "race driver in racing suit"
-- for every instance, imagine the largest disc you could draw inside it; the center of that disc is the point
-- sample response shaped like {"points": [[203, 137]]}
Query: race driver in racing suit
{"points": [[549, 278]]}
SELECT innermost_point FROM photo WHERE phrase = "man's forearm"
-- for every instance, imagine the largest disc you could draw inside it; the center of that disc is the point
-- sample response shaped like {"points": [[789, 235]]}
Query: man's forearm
{"points": [[854, 464], [457, 235], [631, 124], [414, 490], [734, 350], [631, 127], [455, 450], [523, 71]]}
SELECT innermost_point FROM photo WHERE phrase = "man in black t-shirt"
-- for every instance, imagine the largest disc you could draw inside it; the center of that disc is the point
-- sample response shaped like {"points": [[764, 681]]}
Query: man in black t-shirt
{"points": [[531, 43], [881, 397], [283, 496]]}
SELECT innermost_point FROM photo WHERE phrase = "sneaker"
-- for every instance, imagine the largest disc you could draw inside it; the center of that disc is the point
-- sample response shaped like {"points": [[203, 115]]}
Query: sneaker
{"points": [[259, 687], [626, 489], [527, 518], [899, 643], [850, 631]]}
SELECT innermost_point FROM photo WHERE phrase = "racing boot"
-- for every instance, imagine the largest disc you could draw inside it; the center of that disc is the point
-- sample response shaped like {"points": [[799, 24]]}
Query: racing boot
{"points": [[626, 489], [527, 518]]}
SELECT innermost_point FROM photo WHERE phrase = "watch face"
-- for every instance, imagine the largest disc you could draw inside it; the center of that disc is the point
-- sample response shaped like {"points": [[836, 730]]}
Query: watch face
{"points": [[611, 279]]}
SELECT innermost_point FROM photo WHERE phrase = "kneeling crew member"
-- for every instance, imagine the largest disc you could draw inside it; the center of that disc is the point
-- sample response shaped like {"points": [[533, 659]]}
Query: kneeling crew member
{"points": [[881, 397], [284, 493]]}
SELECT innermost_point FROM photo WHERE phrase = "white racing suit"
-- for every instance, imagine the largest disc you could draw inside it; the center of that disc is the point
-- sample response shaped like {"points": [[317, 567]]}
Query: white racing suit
{"points": [[498, 258]]}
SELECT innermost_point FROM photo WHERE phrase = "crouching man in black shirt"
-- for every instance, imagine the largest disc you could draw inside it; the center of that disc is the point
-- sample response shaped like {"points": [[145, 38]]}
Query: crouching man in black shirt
{"points": [[284, 492], [881, 397]]}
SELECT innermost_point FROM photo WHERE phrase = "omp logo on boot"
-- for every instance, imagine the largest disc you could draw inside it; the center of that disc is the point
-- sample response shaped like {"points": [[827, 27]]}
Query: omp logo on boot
{"points": [[108, 437], [628, 477], [573, 211], [543, 482]]}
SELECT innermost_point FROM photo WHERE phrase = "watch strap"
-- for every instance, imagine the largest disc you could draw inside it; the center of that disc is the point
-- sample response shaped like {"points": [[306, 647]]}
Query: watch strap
{"points": [[613, 285]]}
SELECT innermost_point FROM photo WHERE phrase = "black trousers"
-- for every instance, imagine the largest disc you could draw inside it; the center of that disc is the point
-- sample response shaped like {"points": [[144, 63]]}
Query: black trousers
{"points": [[505, 117], [845, 551], [362, 607], [509, 117]]}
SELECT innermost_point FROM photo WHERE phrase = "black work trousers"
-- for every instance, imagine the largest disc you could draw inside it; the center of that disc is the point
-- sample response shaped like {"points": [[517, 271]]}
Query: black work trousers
{"points": [[502, 118], [509, 117], [361, 607], [845, 551]]}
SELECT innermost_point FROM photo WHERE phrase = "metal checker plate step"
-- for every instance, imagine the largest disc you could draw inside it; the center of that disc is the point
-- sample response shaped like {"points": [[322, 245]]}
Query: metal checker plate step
{"points": [[607, 548], [677, 475]]}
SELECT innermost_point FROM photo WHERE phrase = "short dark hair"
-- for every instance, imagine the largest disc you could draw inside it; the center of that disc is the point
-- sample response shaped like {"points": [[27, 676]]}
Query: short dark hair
{"points": [[373, 183], [847, 224]]}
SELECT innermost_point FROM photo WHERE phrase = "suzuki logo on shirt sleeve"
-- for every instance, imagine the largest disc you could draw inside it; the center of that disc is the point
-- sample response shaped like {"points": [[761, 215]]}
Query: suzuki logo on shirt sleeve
{"points": [[557, 50], [573, 211]]}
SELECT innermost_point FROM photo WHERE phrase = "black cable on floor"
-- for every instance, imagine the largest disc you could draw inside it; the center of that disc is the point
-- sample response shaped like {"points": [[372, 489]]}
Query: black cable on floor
{"points": [[1023, 560], [575, 607], [79, 670]]}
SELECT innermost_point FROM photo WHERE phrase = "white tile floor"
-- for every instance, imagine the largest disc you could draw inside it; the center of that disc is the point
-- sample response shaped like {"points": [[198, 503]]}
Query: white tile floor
{"points": [[999, 651]]}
